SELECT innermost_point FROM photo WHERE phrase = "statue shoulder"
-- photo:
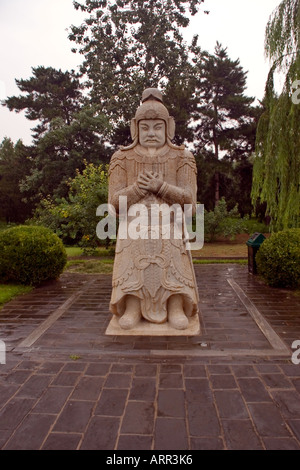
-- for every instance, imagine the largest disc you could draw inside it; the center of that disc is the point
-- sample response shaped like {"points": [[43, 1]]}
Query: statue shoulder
{"points": [[187, 158], [188, 155], [117, 159], [118, 155]]}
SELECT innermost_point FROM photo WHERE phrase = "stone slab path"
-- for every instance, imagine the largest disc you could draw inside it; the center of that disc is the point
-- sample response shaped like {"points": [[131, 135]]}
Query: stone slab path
{"points": [[67, 385]]}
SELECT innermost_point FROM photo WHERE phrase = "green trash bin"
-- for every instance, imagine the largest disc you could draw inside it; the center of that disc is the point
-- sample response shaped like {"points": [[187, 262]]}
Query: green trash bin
{"points": [[253, 244]]}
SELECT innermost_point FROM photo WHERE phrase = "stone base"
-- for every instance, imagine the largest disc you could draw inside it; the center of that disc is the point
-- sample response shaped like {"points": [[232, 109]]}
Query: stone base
{"points": [[145, 328]]}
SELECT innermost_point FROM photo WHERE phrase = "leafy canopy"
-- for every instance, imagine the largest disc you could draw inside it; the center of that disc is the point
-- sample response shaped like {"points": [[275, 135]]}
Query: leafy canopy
{"points": [[129, 46], [74, 218], [276, 173]]}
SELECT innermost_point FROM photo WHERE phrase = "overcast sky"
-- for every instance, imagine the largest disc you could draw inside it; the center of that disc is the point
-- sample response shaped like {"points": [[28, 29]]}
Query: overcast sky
{"points": [[34, 32]]}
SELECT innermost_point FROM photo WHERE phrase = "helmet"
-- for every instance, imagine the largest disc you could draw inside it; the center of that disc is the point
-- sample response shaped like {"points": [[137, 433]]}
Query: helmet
{"points": [[152, 108]]}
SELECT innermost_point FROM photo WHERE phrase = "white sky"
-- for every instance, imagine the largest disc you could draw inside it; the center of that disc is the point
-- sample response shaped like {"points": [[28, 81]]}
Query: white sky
{"points": [[34, 32]]}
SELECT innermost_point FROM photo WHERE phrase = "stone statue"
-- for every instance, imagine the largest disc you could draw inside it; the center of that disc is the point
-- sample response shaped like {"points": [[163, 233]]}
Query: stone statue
{"points": [[153, 276]]}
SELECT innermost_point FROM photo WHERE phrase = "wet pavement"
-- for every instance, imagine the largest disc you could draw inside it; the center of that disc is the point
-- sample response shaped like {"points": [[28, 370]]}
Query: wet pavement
{"points": [[68, 385]]}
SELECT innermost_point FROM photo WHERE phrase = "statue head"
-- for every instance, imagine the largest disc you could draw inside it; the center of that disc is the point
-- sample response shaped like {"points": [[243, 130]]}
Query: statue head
{"points": [[152, 133], [152, 110]]}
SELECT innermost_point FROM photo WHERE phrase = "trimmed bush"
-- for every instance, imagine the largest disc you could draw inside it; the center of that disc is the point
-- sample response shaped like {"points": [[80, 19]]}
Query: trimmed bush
{"points": [[220, 221], [278, 259], [30, 255]]}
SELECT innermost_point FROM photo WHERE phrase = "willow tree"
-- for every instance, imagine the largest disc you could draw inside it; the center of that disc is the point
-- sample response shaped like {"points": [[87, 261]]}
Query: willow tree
{"points": [[276, 172]]}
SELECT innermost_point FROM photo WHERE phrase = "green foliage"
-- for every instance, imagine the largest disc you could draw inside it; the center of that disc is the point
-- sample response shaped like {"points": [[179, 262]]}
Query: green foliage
{"points": [[129, 46], [50, 94], [15, 164], [235, 181], [278, 259], [5, 226], [225, 117], [70, 130], [254, 225], [224, 110], [276, 171], [62, 150], [74, 218], [283, 33], [220, 221], [30, 255]]}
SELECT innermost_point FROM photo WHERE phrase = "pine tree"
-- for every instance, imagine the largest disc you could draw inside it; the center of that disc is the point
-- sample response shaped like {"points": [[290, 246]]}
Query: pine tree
{"points": [[225, 116], [48, 94], [70, 130], [15, 164]]}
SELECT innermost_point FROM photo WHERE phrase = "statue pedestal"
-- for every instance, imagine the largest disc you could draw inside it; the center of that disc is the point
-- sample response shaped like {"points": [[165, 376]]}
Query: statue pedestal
{"points": [[145, 328]]}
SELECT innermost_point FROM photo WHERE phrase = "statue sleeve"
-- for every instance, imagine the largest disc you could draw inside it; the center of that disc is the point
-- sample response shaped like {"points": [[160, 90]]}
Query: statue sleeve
{"points": [[118, 183], [185, 192]]}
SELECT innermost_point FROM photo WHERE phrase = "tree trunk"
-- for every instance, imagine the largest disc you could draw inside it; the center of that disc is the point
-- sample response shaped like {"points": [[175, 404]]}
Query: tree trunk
{"points": [[217, 188], [217, 175]]}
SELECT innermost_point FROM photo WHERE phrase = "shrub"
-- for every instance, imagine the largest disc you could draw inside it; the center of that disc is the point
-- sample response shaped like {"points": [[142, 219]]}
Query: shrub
{"points": [[220, 221], [74, 218], [278, 259], [30, 255], [254, 225]]}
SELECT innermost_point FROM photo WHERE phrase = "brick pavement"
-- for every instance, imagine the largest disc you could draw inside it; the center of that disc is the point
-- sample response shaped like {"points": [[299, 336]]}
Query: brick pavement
{"points": [[69, 386]]}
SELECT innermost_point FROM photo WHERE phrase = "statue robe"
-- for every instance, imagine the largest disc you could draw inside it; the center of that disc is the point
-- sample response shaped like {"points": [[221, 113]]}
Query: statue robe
{"points": [[159, 266]]}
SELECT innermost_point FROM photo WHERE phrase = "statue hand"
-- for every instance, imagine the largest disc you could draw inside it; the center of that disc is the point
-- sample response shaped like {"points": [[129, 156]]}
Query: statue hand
{"points": [[150, 181]]}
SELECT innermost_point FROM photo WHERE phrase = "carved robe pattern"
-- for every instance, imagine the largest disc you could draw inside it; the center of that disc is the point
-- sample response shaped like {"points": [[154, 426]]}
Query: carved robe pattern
{"points": [[153, 269]]}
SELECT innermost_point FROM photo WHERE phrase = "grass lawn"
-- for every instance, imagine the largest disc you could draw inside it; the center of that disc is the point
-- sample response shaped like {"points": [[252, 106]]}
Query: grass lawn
{"points": [[73, 251], [102, 261], [90, 266], [76, 251], [220, 261], [222, 250], [10, 291], [105, 266]]}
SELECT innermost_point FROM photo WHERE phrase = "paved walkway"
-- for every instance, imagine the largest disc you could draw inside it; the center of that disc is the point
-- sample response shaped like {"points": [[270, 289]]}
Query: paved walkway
{"points": [[67, 385]]}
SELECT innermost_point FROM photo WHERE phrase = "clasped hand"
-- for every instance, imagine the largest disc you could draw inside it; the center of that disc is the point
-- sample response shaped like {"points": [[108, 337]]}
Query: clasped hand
{"points": [[150, 181]]}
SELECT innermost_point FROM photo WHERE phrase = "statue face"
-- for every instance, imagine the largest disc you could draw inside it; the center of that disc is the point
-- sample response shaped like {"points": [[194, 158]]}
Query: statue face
{"points": [[152, 133]]}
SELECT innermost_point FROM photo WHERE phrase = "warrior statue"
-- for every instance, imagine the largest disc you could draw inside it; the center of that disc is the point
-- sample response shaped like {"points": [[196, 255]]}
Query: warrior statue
{"points": [[153, 276]]}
